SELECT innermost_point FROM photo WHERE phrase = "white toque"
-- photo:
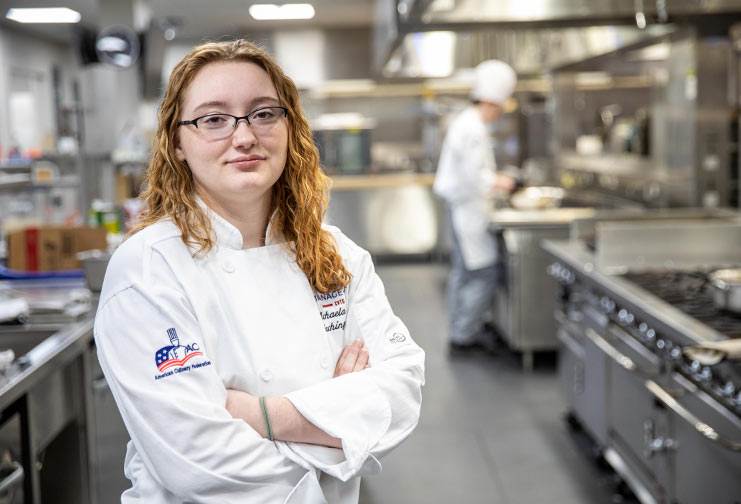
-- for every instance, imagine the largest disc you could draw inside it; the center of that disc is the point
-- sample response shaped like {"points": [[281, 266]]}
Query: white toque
{"points": [[495, 81]]}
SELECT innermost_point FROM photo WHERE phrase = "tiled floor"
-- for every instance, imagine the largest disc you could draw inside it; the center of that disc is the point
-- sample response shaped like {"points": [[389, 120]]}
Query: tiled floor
{"points": [[488, 433]]}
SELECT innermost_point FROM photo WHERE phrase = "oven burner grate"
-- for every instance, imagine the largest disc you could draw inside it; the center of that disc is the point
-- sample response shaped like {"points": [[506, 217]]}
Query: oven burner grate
{"points": [[689, 292]]}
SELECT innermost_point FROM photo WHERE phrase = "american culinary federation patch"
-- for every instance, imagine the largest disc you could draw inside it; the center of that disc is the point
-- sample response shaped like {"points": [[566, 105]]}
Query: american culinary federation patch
{"points": [[174, 358]]}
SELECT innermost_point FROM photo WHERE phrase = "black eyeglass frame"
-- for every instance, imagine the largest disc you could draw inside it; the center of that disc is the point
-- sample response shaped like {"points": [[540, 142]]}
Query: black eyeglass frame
{"points": [[194, 122]]}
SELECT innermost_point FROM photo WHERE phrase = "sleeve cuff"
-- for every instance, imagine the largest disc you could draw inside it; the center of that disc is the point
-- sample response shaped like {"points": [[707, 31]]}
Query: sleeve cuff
{"points": [[328, 460], [360, 424]]}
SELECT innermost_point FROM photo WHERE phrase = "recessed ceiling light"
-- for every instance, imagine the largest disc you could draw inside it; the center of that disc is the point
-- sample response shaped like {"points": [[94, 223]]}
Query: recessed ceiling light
{"points": [[50, 15], [285, 11]]}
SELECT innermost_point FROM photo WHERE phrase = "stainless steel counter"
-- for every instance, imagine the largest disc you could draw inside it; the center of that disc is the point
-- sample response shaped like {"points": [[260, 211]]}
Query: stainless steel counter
{"points": [[44, 390], [536, 219], [524, 302], [56, 346], [56, 391], [524, 298], [393, 214]]}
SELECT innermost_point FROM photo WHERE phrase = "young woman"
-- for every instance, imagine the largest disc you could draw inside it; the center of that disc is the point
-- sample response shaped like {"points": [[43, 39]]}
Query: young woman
{"points": [[251, 349]]}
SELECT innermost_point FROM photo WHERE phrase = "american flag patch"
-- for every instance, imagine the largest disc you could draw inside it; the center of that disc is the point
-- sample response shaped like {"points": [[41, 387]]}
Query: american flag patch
{"points": [[164, 362], [175, 354]]}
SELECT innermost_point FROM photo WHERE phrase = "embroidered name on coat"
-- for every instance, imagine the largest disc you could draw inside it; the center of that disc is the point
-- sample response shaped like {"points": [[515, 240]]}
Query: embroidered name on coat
{"points": [[332, 309]]}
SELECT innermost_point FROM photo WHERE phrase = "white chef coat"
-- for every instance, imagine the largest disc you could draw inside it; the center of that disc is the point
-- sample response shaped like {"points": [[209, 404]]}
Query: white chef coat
{"points": [[249, 320], [465, 179]]}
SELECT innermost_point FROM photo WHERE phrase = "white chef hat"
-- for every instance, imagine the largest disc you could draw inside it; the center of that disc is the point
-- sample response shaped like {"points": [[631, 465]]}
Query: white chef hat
{"points": [[495, 81]]}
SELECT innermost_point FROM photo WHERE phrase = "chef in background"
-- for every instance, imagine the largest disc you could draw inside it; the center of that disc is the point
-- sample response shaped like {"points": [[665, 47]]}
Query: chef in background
{"points": [[467, 180]]}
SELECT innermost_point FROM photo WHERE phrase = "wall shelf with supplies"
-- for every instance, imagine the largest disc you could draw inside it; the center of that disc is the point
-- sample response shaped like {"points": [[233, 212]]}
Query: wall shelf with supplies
{"points": [[24, 182]]}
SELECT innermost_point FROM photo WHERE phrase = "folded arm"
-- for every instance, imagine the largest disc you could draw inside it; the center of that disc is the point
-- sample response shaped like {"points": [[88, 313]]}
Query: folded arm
{"points": [[287, 423], [176, 417], [371, 411]]}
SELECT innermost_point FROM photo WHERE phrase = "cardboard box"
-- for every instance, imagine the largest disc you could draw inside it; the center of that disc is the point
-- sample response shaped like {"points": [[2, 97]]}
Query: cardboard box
{"points": [[52, 248]]}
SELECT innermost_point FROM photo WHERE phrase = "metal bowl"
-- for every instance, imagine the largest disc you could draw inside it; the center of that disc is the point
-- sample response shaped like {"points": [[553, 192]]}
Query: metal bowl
{"points": [[537, 198], [94, 264]]}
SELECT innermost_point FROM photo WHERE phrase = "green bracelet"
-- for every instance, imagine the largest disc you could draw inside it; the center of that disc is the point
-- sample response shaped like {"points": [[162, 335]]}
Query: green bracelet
{"points": [[267, 419]]}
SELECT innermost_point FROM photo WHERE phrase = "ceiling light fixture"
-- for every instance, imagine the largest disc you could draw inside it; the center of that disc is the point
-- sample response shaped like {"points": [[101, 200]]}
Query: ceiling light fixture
{"points": [[44, 15], [286, 11]]}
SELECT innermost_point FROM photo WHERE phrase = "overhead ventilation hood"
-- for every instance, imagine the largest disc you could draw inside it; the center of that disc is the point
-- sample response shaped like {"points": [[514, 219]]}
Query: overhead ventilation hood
{"points": [[531, 52], [437, 38], [469, 14]]}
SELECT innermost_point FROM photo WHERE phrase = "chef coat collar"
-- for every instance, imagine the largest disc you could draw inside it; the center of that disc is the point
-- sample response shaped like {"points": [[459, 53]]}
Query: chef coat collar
{"points": [[227, 235]]}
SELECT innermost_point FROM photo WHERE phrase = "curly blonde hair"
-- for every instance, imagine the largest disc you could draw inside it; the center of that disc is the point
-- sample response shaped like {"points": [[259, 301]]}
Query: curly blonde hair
{"points": [[300, 196]]}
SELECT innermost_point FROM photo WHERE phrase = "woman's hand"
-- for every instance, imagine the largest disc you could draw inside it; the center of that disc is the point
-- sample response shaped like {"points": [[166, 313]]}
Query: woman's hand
{"points": [[353, 358], [504, 182]]}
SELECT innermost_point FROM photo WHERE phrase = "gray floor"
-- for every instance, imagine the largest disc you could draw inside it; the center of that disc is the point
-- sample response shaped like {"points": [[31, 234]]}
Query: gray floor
{"points": [[488, 432]]}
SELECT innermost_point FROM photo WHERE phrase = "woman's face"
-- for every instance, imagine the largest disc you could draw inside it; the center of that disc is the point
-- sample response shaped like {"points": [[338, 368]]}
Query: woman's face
{"points": [[241, 168]]}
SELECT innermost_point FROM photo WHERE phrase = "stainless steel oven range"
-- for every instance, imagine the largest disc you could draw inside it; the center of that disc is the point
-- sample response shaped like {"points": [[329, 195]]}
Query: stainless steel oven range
{"points": [[670, 426]]}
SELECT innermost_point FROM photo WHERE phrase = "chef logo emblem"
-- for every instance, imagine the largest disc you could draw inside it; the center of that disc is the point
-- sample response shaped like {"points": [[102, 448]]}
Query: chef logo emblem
{"points": [[397, 338], [175, 354]]}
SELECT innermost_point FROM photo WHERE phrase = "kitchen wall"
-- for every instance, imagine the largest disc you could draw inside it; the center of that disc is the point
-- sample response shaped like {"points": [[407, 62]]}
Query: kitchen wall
{"points": [[110, 100], [26, 64]]}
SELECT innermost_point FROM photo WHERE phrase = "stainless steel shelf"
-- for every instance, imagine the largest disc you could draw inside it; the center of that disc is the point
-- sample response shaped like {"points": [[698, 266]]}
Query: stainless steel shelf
{"points": [[23, 181]]}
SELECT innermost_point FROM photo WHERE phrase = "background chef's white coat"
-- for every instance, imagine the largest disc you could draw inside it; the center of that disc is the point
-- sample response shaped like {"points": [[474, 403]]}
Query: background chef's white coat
{"points": [[255, 317], [465, 179]]}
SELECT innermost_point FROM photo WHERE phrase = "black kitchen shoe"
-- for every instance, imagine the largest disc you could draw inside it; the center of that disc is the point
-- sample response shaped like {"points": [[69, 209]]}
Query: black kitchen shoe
{"points": [[456, 349]]}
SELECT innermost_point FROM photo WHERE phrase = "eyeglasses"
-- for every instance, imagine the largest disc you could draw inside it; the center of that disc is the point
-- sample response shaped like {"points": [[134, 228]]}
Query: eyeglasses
{"points": [[220, 126]]}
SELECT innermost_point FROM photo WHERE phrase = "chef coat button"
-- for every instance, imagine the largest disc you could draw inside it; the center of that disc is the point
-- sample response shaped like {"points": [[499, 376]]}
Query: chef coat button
{"points": [[266, 375], [324, 362], [228, 267]]}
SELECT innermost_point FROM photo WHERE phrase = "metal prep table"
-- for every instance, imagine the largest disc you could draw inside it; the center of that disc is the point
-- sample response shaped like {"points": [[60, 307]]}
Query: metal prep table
{"points": [[524, 302], [62, 439]]}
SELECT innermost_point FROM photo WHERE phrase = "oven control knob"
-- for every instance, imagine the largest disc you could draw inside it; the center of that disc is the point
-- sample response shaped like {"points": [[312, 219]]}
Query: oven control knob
{"points": [[695, 366], [660, 344], [566, 276], [607, 304], [705, 374], [625, 317], [676, 354], [650, 335], [643, 327], [728, 389]]}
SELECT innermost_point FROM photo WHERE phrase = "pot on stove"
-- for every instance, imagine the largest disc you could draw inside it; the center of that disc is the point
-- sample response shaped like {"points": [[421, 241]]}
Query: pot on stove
{"points": [[725, 285]]}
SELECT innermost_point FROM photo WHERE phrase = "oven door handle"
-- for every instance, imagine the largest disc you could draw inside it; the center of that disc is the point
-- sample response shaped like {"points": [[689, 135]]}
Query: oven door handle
{"points": [[701, 427], [13, 479], [623, 360]]}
